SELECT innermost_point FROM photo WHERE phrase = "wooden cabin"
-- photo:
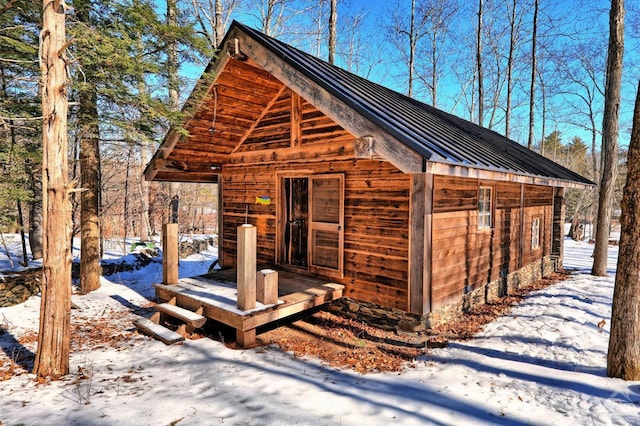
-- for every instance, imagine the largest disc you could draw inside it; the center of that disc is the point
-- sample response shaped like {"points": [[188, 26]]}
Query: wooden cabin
{"points": [[410, 208]]}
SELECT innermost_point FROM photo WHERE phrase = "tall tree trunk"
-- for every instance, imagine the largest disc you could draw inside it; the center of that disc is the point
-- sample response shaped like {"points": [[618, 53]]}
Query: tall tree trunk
{"points": [[412, 48], [145, 227], [544, 115], [89, 135], [219, 25], [510, 61], [52, 356], [479, 66], [623, 358], [610, 129], [333, 22], [172, 75], [532, 88]]}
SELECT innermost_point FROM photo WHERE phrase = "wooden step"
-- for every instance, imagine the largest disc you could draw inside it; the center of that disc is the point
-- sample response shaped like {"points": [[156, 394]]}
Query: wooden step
{"points": [[157, 331], [194, 319]]}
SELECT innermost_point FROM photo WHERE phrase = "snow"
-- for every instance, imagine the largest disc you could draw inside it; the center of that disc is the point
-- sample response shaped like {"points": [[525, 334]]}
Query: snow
{"points": [[544, 363]]}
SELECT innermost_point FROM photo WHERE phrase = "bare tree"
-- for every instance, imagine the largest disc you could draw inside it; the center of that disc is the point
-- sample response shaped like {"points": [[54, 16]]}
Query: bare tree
{"points": [[438, 15], [583, 92], [534, 69], [277, 18], [52, 357], [333, 22], [405, 31], [623, 357], [515, 21], [610, 129], [213, 17], [479, 64]]}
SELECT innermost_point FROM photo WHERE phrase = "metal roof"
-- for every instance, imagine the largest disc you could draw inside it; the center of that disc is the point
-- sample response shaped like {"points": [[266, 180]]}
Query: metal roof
{"points": [[436, 135]]}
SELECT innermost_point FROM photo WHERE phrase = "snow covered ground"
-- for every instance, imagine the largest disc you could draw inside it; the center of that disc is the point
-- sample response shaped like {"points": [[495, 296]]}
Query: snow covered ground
{"points": [[543, 364]]}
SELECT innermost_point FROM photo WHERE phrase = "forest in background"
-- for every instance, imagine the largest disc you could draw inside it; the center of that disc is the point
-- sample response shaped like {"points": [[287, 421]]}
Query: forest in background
{"points": [[532, 70]]}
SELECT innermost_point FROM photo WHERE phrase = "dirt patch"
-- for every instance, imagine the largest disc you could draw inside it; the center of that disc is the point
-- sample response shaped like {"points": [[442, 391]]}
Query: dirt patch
{"points": [[347, 343]]}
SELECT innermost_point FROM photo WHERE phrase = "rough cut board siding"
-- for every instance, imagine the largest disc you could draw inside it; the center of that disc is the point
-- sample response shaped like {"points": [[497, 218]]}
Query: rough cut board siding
{"points": [[376, 207], [273, 131], [465, 258], [376, 222], [317, 127]]}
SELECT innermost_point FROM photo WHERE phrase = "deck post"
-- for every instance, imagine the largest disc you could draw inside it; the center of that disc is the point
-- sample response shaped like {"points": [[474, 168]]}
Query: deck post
{"points": [[170, 253], [267, 286], [247, 236], [247, 338]]}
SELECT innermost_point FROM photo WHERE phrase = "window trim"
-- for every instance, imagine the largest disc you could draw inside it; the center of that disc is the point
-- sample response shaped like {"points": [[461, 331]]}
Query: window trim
{"points": [[485, 214], [536, 223]]}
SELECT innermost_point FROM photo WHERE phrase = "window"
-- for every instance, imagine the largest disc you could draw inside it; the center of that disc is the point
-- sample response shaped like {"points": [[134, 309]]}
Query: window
{"points": [[535, 233], [484, 207]]}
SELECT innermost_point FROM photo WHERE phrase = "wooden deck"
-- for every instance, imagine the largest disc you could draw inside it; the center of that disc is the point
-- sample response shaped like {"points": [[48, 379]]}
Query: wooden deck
{"points": [[216, 294]]}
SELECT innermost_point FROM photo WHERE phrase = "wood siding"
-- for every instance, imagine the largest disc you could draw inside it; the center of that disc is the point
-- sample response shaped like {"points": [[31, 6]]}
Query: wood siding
{"points": [[465, 258], [376, 200]]}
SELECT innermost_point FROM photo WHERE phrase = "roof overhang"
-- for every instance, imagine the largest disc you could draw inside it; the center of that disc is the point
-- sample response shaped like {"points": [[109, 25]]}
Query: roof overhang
{"points": [[456, 170]]}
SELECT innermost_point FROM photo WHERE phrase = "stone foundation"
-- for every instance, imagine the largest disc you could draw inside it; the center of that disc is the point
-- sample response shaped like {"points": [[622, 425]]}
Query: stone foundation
{"points": [[401, 321], [385, 318], [494, 290], [19, 286]]}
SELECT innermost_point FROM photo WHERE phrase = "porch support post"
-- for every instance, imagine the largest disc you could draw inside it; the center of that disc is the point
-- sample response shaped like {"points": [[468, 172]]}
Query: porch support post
{"points": [[521, 230], [557, 237], [220, 218], [420, 212], [170, 253], [247, 236]]}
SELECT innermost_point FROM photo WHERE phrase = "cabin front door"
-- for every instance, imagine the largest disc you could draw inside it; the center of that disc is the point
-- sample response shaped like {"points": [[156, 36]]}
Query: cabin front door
{"points": [[312, 223]]}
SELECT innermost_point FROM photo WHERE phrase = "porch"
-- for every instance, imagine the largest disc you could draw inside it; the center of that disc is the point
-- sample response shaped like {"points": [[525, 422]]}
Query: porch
{"points": [[215, 296]]}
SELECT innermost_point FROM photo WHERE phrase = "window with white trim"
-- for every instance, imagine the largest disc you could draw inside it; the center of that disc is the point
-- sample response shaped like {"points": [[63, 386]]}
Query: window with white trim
{"points": [[485, 207], [535, 233]]}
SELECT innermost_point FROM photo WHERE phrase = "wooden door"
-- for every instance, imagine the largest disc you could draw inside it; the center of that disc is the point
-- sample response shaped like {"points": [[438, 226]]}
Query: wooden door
{"points": [[326, 227]]}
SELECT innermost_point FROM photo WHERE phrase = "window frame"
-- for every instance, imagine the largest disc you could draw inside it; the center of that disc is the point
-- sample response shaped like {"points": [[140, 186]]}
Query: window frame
{"points": [[485, 213], [536, 223]]}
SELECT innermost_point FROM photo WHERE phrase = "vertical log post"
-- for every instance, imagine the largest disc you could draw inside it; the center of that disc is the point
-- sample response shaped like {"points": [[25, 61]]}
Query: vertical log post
{"points": [[247, 236], [170, 253]]}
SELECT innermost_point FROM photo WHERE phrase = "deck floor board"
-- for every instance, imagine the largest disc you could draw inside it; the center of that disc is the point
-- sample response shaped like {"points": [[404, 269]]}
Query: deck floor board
{"points": [[216, 293]]}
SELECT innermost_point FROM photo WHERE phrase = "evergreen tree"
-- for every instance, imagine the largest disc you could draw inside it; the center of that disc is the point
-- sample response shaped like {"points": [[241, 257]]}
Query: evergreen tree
{"points": [[20, 154]]}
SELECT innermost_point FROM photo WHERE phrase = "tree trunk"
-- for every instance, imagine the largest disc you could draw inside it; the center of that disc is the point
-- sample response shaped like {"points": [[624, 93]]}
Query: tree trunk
{"points": [[510, 63], [479, 66], [35, 225], [532, 88], [333, 22], [610, 128], [52, 357], [172, 76], [145, 226], [89, 135], [23, 237], [412, 48], [623, 358], [219, 25]]}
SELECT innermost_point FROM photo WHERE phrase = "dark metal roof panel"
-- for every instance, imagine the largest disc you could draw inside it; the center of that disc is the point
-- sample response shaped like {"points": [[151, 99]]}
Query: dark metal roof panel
{"points": [[434, 134]]}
